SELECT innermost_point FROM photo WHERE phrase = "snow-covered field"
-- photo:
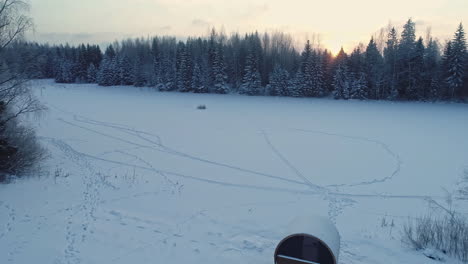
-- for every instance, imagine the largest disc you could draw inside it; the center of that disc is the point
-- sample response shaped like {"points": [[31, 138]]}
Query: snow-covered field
{"points": [[138, 176]]}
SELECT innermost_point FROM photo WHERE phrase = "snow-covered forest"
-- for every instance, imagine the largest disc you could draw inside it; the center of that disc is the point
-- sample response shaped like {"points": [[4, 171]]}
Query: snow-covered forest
{"points": [[399, 66]]}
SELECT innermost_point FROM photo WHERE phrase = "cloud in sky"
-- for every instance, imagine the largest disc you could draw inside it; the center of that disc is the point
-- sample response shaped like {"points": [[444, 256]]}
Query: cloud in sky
{"points": [[200, 23], [338, 22]]}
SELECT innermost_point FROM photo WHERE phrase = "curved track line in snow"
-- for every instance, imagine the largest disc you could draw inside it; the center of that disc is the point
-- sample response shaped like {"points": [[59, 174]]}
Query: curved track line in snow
{"points": [[159, 145], [128, 130], [65, 147], [288, 163], [168, 150], [381, 144]]}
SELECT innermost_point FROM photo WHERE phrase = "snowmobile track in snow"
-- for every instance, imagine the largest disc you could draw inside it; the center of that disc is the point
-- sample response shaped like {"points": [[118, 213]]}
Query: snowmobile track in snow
{"points": [[245, 186], [289, 164], [381, 144], [165, 149]]}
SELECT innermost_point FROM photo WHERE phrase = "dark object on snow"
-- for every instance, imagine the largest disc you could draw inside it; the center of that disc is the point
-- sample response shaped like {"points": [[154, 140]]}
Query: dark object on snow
{"points": [[312, 240], [201, 107]]}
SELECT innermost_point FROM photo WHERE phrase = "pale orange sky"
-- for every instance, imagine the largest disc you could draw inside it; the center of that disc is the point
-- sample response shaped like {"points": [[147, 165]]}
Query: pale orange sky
{"points": [[338, 23]]}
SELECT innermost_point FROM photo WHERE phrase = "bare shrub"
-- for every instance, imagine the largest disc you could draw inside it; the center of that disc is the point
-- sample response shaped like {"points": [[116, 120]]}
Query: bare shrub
{"points": [[19, 148], [447, 234], [464, 186]]}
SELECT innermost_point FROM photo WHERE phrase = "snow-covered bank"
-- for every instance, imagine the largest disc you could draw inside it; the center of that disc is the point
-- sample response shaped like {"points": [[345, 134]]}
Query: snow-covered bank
{"points": [[145, 177]]}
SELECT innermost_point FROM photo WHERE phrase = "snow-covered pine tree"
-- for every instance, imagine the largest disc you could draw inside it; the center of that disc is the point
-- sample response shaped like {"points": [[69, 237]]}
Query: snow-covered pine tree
{"points": [[139, 78], [91, 74], [279, 82], [212, 54], [406, 52], [95, 55], [328, 71], [125, 71], [82, 64], [340, 58], [220, 85], [107, 74], [65, 72], [374, 70], [416, 91], [318, 84], [341, 82], [305, 79], [359, 87], [431, 75], [390, 89], [48, 69], [198, 80], [110, 52], [168, 73], [446, 61], [357, 61], [182, 75], [251, 83], [156, 78], [434, 89], [295, 86], [274, 86], [456, 57]]}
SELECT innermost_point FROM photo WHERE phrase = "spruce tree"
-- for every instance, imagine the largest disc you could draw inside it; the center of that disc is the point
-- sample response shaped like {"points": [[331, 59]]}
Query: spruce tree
{"points": [[220, 85], [406, 52], [279, 82], [251, 83], [65, 72], [183, 76], [168, 73], [124, 71], [340, 58], [431, 74], [359, 87], [456, 56], [391, 55], [328, 70], [138, 73], [198, 83], [341, 82], [156, 78], [91, 74], [295, 87], [416, 91], [82, 64], [318, 84], [306, 83], [107, 74], [374, 70], [446, 64]]}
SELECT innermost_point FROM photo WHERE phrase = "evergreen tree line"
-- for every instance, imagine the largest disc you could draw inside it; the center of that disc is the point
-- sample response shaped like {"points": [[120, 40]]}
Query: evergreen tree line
{"points": [[405, 68]]}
